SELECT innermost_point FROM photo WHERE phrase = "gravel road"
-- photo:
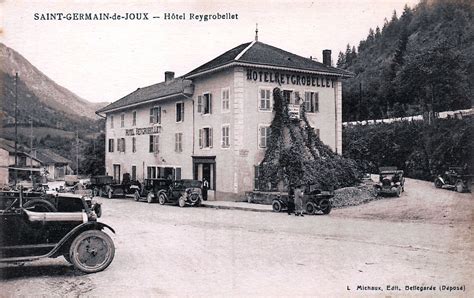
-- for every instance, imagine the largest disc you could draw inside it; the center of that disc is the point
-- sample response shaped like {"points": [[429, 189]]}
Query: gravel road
{"points": [[423, 238]]}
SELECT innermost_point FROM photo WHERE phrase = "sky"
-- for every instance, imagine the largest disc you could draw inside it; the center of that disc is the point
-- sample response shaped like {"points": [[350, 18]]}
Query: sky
{"points": [[105, 60]]}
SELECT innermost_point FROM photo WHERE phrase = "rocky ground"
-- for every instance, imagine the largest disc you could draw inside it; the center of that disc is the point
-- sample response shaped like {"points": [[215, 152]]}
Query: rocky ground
{"points": [[423, 238]]}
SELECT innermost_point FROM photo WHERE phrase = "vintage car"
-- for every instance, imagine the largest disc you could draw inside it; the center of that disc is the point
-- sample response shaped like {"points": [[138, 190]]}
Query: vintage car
{"points": [[314, 201], [72, 231], [41, 202], [150, 188], [455, 178], [391, 181], [183, 192], [104, 185]]}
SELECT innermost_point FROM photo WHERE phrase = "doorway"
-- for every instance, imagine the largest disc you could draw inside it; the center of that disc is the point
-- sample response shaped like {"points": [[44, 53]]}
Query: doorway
{"points": [[204, 167]]}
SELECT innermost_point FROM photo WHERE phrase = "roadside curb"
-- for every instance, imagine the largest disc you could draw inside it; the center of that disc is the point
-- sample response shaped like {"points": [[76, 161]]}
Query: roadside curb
{"points": [[235, 208]]}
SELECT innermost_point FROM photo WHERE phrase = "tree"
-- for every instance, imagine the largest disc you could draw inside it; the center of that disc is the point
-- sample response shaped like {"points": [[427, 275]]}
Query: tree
{"points": [[435, 79], [93, 157]]}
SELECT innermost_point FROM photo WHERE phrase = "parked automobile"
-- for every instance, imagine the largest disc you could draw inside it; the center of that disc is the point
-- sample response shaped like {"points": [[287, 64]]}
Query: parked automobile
{"points": [[71, 231], [150, 188], [314, 200], [105, 186], [455, 178], [182, 192], [41, 202], [391, 181]]}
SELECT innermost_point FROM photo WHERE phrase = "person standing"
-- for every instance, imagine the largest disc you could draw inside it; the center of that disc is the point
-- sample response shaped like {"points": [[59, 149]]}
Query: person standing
{"points": [[205, 187], [298, 200], [291, 199]]}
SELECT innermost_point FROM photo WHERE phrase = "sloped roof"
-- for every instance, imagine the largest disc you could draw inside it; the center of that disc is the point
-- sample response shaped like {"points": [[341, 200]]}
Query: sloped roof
{"points": [[9, 146], [259, 53], [156, 91], [47, 156]]}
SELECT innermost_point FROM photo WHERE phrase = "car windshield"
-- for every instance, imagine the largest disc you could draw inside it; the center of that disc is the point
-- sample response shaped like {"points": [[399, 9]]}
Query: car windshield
{"points": [[192, 184]]}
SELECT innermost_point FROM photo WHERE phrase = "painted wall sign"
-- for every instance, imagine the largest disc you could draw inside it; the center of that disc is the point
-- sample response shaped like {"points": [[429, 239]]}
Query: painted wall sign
{"points": [[294, 111], [286, 78], [143, 131]]}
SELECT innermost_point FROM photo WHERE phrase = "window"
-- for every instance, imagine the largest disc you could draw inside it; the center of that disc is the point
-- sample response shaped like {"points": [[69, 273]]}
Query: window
{"points": [[265, 100], [178, 142], [154, 143], [205, 104], [225, 136], [111, 121], [151, 172], [134, 144], [111, 145], [264, 134], [287, 95], [134, 118], [205, 137], [155, 115], [311, 102], [122, 120], [180, 112], [225, 99], [134, 173], [121, 145]]}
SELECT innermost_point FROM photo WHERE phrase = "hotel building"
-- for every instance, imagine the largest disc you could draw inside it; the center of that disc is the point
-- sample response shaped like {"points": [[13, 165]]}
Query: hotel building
{"points": [[214, 121]]}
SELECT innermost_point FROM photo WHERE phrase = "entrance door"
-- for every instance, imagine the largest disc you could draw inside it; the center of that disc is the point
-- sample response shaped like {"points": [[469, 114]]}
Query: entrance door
{"points": [[205, 168]]}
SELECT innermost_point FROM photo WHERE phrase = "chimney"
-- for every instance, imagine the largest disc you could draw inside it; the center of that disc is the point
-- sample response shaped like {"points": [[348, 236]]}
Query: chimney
{"points": [[327, 57], [169, 76]]}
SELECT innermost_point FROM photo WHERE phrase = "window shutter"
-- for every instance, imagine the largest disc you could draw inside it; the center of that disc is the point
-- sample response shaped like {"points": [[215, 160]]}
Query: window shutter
{"points": [[316, 102], [260, 137], [210, 103], [210, 137], [157, 143], [152, 117], [182, 111], [123, 141], [176, 142], [199, 108], [158, 120], [200, 138], [150, 146]]}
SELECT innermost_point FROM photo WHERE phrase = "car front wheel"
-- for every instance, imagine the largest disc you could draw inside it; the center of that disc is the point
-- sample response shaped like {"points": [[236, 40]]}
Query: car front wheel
{"points": [[162, 199], [92, 251], [325, 206], [310, 208], [136, 195], [149, 197], [276, 206]]}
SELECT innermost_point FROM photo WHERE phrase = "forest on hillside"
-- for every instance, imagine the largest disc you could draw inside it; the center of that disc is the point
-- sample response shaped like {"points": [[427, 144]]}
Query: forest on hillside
{"points": [[418, 62]]}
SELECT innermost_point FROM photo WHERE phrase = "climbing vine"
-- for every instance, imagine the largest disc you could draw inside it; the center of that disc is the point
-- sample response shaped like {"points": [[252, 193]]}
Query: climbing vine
{"points": [[295, 154]]}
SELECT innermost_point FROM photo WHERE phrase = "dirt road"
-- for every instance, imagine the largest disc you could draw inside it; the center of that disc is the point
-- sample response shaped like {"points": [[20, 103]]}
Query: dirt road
{"points": [[423, 238]]}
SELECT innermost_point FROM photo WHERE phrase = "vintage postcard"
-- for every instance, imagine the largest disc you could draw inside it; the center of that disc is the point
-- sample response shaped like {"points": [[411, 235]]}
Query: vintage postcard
{"points": [[236, 148]]}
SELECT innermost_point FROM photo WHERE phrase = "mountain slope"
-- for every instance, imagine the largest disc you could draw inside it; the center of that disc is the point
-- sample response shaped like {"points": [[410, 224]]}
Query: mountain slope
{"points": [[48, 92], [418, 62]]}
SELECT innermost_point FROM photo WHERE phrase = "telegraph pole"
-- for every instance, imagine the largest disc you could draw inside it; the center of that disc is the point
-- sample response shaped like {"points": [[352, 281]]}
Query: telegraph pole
{"points": [[31, 148], [77, 152], [16, 126]]}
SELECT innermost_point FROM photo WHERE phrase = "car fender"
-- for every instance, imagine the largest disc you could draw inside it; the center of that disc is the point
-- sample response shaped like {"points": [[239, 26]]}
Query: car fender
{"points": [[441, 179], [162, 191], [93, 225]]}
